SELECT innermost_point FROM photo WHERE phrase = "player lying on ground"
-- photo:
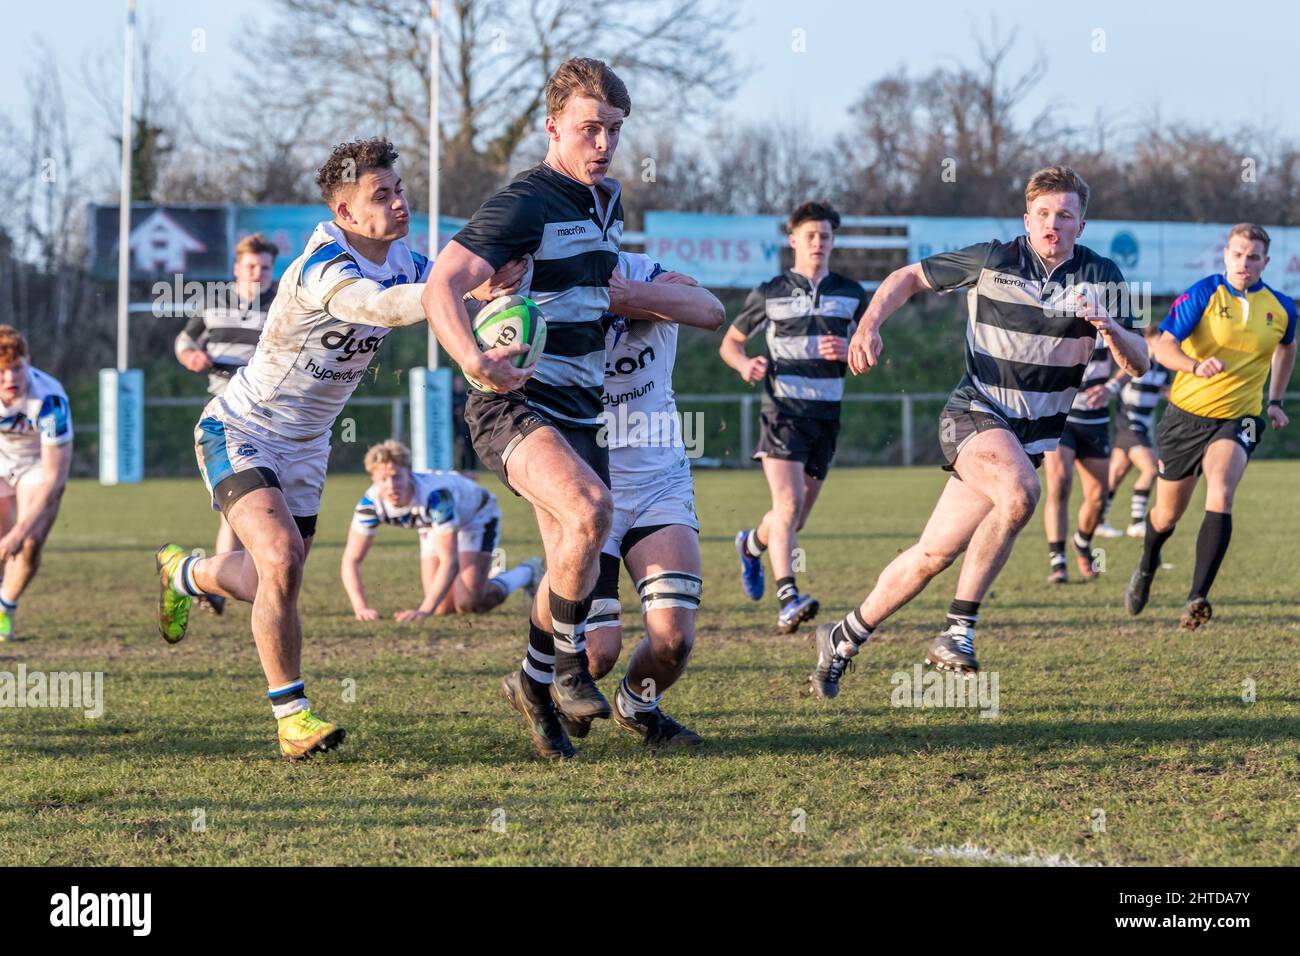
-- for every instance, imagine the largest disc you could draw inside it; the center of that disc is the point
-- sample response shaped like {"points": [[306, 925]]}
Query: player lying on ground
{"points": [[221, 339], [1223, 337], [459, 524], [264, 445], [35, 456], [1033, 323], [1134, 445], [1085, 445], [806, 314], [538, 429], [656, 532]]}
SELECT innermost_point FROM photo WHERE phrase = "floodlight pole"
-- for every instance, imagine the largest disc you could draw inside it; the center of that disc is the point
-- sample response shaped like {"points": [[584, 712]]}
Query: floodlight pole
{"points": [[435, 68], [124, 207]]}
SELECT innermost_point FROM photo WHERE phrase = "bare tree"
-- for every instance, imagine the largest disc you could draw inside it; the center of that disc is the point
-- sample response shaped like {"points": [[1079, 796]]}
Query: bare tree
{"points": [[362, 66]]}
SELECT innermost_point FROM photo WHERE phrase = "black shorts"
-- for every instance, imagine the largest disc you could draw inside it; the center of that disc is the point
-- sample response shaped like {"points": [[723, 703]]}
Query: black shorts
{"points": [[1131, 433], [1087, 441], [498, 423], [807, 440], [959, 423], [1183, 438]]}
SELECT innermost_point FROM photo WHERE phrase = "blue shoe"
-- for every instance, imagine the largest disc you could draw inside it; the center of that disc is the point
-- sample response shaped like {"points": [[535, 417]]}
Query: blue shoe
{"points": [[803, 608], [751, 569]]}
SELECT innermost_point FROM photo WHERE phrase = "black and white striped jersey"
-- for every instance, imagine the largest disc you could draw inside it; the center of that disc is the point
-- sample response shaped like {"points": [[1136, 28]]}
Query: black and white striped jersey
{"points": [[1139, 397], [557, 223], [1099, 370], [793, 313], [228, 334], [1026, 350]]}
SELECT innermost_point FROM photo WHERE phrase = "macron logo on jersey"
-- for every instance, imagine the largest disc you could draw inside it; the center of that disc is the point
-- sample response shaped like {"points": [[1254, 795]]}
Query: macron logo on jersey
{"points": [[572, 231]]}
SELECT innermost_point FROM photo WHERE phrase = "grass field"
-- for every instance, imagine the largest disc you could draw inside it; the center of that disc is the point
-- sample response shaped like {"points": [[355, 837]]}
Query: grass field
{"points": [[1117, 741]]}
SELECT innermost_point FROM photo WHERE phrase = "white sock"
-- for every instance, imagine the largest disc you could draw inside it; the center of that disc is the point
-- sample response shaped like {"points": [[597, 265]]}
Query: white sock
{"points": [[183, 578], [514, 579], [630, 703]]}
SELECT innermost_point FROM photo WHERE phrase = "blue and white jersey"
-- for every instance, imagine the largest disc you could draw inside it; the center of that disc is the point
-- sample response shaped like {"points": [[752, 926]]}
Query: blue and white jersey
{"points": [[440, 501], [308, 362], [641, 424], [40, 417]]}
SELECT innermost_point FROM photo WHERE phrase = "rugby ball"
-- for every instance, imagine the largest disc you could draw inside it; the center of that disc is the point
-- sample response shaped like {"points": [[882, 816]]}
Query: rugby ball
{"points": [[510, 320]]}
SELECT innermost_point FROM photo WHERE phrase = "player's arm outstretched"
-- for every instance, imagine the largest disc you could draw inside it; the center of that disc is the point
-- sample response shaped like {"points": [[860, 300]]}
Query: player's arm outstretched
{"points": [[670, 297], [366, 302], [899, 286], [354, 552], [438, 572]]}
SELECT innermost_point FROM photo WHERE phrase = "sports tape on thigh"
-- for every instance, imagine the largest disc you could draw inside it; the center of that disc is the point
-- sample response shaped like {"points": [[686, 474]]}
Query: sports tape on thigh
{"points": [[670, 589]]}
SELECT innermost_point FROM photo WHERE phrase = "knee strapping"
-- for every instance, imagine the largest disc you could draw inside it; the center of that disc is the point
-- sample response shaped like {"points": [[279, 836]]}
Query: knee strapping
{"points": [[670, 589]]}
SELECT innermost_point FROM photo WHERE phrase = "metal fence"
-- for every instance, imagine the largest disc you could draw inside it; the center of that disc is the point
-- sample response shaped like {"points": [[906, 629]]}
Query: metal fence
{"points": [[876, 429]]}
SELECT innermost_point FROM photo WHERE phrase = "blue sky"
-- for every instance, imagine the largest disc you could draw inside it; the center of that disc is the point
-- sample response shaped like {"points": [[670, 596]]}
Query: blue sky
{"points": [[1210, 62]]}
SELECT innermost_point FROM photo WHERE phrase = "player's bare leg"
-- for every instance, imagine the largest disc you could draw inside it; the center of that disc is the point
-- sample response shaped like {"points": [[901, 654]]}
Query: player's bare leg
{"points": [[574, 510], [1145, 461], [1092, 483], [1058, 478], [777, 533], [22, 567], [1172, 499]]}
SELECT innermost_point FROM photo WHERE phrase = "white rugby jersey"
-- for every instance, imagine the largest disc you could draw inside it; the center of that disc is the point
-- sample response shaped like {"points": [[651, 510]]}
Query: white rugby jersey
{"points": [[308, 363], [640, 414], [41, 417], [440, 501]]}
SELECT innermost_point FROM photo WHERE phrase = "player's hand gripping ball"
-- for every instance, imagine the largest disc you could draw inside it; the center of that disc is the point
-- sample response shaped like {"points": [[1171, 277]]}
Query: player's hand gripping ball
{"points": [[511, 320]]}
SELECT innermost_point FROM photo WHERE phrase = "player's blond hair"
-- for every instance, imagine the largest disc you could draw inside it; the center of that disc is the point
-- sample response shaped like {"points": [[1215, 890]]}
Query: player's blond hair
{"points": [[1057, 179], [391, 452], [13, 346], [1248, 230], [256, 243], [584, 76]]}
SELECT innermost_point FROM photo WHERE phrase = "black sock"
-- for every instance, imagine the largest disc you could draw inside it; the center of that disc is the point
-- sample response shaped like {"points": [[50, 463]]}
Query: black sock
{"points": [[963, 613], [785, 590], [1151, 544], [1211, 546], [1083, 545], [539, 662], [1056, 553], [569, 627]]}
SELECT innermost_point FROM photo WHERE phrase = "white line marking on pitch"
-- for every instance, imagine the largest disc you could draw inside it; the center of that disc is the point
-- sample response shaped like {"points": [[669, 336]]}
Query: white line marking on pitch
{"points": [[968, 851]]}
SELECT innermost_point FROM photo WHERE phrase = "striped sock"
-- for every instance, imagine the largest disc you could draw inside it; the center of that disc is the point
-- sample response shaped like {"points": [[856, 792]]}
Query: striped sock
{"points": [[539, 662], [9, 607], [965, 614], [288, 699], [1056, 553], [183, 577], [753, 547], [850, 634], [786, 590], [630, 703], [1083, 545], [569, 624], [1138, 507]]}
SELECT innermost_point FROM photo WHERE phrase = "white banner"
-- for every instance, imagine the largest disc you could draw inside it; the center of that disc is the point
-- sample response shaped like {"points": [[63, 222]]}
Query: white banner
{"points": [[732, 252]]}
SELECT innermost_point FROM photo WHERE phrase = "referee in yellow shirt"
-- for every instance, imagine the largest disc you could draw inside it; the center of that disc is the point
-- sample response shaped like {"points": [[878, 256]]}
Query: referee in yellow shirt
{"points": [[1223, 337]]}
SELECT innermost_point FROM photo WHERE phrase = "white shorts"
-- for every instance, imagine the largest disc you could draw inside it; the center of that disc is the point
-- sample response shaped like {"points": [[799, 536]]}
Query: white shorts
{"points": [[667, 498], [226, 445], [482, 534], [13, 474]]}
